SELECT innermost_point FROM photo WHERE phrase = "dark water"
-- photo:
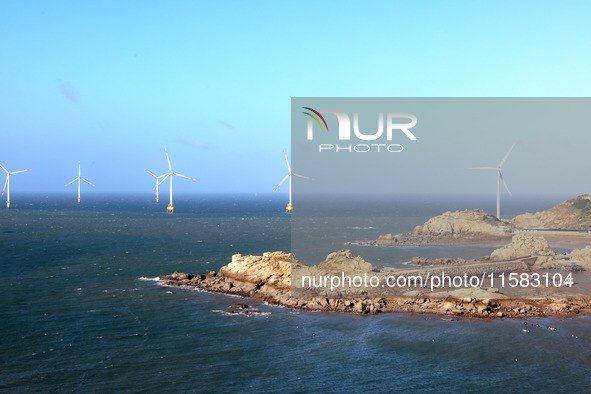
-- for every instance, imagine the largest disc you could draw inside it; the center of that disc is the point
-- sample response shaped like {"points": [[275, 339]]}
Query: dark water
{"points": [[78, 314]]}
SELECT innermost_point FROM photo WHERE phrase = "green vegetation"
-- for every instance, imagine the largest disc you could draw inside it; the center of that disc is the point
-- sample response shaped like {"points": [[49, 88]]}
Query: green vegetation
{"points": [[490, 218], [583, 204]]}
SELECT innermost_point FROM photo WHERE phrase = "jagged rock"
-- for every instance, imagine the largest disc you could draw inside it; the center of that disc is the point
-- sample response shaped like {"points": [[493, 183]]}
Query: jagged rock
{"points": [[523, 245], [177, 276], [272, 269]]}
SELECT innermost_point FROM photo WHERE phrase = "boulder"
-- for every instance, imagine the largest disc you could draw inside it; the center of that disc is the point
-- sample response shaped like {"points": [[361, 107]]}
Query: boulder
{"points": [[523, 245], [345, 261]]}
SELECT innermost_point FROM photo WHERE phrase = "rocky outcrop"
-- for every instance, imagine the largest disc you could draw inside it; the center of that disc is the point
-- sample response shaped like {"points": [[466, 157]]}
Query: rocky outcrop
{"points": [[459, 223], [267, 278], [574, 214], [344, 261], [451, 228], [581, 257], [523, 245], [272, 269]]}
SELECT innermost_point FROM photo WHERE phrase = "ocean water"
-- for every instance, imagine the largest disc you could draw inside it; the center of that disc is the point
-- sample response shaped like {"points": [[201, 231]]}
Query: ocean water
{"points": [[80, 310]]}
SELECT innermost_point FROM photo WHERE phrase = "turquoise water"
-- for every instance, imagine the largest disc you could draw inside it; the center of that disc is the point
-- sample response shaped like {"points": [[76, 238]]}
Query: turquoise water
{"points": [[80, 312]]}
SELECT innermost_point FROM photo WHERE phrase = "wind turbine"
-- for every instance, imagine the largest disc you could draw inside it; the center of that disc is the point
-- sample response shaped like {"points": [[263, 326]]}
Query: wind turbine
{"points": [[79, 179], [289, 208], [157, 184], [170, 208], [7, 183], [499, 179]]}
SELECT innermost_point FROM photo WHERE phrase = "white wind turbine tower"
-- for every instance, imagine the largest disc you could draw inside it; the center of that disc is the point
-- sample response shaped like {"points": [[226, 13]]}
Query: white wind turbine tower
{"points": [[7, 183], [79, 179], [499, 179], [157, 179], [171, 174], [289, 208]]}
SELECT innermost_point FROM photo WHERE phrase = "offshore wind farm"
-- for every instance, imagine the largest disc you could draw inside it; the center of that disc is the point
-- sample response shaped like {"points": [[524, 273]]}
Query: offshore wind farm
{"points": [[151, 284]]}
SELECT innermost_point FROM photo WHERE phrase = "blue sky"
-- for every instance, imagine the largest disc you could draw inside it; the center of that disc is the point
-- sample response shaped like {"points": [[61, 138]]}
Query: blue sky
{"points": [[110, 83]]}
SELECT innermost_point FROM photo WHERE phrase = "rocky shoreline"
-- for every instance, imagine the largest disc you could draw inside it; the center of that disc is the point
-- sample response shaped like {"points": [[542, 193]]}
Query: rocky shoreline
{"points": [[267, 278]]}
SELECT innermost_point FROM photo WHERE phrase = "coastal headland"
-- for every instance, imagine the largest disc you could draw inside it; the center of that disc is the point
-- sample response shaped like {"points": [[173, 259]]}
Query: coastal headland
{"points": [[525, 256], [268, 278]]}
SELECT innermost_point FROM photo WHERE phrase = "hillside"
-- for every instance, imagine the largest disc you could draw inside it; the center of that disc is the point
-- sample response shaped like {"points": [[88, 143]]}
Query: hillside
{"points": [[574, 214]]}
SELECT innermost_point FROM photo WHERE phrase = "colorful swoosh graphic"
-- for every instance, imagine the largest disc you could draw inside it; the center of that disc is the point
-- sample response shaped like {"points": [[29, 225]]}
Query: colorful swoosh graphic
{"points": [[315, 118]]}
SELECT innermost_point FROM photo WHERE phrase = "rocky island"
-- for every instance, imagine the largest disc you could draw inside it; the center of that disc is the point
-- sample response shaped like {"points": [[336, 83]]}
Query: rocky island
{"points": [[451, 228], [279, 278], [268, 278], [567, 224]]}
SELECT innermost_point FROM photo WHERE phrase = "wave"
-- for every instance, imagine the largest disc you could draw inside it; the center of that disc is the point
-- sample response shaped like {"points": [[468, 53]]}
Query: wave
{"points": [[155, 279], [243, 312]]}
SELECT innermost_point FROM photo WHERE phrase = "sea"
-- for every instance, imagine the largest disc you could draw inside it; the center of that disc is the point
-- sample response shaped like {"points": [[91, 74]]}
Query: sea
{"points": [[81, 309]]}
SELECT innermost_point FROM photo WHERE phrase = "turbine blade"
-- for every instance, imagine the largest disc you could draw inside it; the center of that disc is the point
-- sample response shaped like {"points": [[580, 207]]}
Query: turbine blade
{"points": [[163, 179], [505, 183], [167, 158], [284, 179], [184, 176], [151, 173], [18, 172], [287, 161], [507, 155], [87, 181], [4, 189], [301, 176], [71, 182], [5, 170], [483, 168]]}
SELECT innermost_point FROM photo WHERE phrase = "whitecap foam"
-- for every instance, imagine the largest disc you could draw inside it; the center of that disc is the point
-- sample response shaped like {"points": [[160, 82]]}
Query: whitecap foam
{"points": [[242, 312], [155, 279]]}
